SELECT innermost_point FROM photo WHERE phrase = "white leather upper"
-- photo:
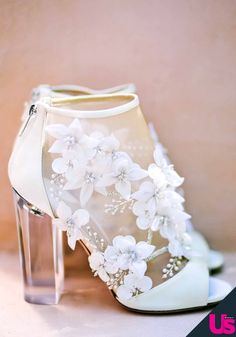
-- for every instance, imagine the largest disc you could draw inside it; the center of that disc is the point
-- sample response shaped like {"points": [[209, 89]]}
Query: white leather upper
{"points": [[213, 258], [199, 244], [25, 164], [187, 289]]}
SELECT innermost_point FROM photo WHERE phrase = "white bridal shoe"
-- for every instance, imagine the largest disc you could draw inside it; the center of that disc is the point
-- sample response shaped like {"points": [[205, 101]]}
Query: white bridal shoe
{"points": [[80, 163], [214, 259]]}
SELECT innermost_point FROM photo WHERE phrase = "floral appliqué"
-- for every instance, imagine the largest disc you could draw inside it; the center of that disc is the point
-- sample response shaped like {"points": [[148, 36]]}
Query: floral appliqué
{"points": [[93, 163]]}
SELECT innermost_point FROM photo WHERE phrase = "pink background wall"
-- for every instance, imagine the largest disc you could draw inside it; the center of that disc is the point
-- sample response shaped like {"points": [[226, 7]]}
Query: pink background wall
{"points": [[182, 56]]}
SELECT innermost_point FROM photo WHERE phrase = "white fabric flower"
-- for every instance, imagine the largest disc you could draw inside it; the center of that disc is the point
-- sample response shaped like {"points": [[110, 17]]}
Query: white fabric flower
{"points": [[172, 226], [124, 171], [71, 222], [97, 145], [66, 166], [180, 245], [163, 212], [69, 164], [157, 196], [156, 171], [101, 267], [148, 191], [129, 255], [174, 223], [68, 137], [133, 285], [86, 179], [147, 217]]}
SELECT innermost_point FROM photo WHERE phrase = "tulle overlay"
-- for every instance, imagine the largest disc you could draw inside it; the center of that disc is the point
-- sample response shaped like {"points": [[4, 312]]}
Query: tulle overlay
{"points": [[110, 187]]}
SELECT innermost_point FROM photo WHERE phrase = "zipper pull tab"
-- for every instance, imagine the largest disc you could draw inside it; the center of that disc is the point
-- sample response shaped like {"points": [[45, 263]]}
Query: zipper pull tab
{"points": [[32, 111]]}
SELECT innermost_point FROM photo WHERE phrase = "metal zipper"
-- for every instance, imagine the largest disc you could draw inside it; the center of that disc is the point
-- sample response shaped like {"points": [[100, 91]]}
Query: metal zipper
{"points": [[32, 111]]}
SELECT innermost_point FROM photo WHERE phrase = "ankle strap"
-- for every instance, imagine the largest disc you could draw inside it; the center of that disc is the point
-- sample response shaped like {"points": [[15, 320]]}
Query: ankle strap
{"points": [[64, 106], [64, 90]]}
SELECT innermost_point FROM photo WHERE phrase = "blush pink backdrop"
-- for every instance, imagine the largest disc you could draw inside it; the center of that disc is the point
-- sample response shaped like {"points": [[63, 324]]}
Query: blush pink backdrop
{"points": [[181, 55]]}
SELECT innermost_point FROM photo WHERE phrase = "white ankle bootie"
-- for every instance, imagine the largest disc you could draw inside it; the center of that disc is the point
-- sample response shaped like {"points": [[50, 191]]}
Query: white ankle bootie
{"points": [[214, 259], [80, 162]]}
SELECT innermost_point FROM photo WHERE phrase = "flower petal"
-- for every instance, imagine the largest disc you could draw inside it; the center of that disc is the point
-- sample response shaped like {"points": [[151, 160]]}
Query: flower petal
{"points": [[96, 259], [167, 231], [139, 208], [145, 192], [80, 218], [178, 217], [123, 261], [144, 249], [101, 190], [110, 143], [72, 241], [130, 280], [187, 240], [122, 243], [71, 174], [72, 185], [155, 225], [75, 152], [57, 130], [106, 180], [173, 178], [59, 165], [174, 196], [86, 193], [124, 188], [103, 275], [111, 267], [137, 173], [57, 147], [124, 293], [121, 164], [89, 142], [157, 175], [97, 135], [143, 222], [152, 205], [159, 158], [138, 268], [175, 248], [144, 284], [110, 253], [76, 127]]}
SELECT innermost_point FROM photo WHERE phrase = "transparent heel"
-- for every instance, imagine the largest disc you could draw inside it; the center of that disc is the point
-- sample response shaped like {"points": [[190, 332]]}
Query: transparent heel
{"points": [[41, 253]]}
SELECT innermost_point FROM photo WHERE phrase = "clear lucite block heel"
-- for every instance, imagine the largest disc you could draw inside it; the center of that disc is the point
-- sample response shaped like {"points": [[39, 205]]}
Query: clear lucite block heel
{"points": [[41, 254]]}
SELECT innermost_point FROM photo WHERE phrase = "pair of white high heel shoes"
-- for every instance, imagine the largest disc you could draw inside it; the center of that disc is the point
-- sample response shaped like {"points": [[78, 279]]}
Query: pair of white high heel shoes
{"points": [[86, 162]]}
